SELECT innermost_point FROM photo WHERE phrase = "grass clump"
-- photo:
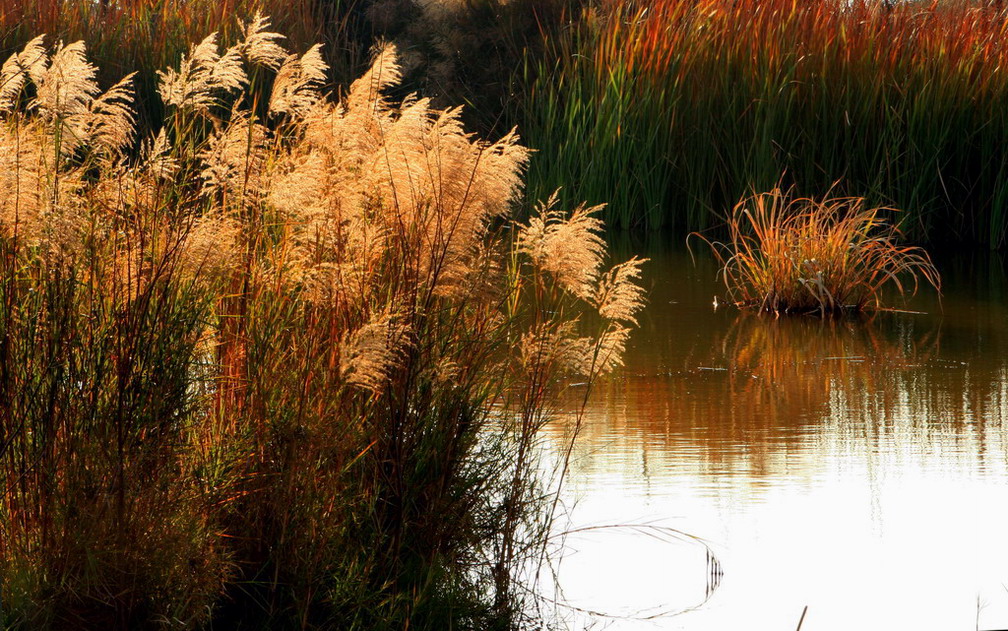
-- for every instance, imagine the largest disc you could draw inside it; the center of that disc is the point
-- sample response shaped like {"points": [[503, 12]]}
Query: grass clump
{"points": [[828, 256], [286, 364]]}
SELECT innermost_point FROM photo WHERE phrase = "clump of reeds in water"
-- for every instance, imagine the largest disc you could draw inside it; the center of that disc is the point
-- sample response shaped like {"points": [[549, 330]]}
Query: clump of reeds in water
{"points": [[828, 256], [283, 363]]}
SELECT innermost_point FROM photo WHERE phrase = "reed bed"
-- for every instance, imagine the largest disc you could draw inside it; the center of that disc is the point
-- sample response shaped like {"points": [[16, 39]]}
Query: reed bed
{"points": [[456, 52], [144, 36], [286, 364], [827, 256], [673, 110]]}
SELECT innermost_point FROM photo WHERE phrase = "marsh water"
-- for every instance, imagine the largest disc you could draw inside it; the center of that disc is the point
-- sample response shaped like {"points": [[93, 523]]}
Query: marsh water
{"points": [[858, 468]]}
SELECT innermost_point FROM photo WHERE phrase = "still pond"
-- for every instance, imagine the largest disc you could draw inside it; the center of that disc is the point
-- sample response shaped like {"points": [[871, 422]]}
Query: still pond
{"points": [[741, 468]]}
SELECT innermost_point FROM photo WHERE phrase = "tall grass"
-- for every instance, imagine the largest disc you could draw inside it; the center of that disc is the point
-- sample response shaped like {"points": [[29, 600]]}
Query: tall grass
{"points": [[144, 36], [284, 366], [673, 110]]}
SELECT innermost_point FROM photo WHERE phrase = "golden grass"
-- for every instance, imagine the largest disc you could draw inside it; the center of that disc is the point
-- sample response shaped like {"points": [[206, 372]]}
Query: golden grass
{"points": [[824, 256], [289, 361]]}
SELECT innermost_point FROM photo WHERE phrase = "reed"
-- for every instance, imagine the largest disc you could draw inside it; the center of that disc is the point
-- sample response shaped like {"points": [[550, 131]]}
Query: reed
{"points": [[283, 363], [674, 110], [825, 256]]}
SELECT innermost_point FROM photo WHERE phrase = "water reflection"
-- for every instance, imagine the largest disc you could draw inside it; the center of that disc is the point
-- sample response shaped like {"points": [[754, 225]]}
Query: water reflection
{"points": [[858, 467]]}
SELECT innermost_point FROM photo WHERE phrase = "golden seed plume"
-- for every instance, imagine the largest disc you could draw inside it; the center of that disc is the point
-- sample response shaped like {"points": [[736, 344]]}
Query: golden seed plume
{"points": [[618, 296], [260, 46], [556, 348], [64, 92], [210, 246], [297, 85], [568, 247], [112, 119], [31, 63], [233, 160], [372, 352], [202, 75], [384, 72], [23, 187]]}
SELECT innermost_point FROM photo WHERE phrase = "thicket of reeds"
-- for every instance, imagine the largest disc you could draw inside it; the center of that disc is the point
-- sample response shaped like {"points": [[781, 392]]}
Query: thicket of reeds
{"points": [[145, 36], [282, 363], [828, 256], [454, 51], [672, 110]]}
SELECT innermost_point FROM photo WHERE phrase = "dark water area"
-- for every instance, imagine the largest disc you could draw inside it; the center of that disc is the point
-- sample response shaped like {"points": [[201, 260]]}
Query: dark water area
{"points": [[858, 467]]}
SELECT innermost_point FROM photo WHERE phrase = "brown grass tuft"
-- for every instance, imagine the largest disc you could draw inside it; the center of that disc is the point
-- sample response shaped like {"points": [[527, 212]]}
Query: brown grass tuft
{"points": [[803, 255]]}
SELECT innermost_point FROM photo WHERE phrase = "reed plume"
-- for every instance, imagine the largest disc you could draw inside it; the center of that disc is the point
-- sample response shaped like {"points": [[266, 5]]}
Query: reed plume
{"points": [[259, 46], [571, 248], [30, 63], [298, 83], [203, 76]]}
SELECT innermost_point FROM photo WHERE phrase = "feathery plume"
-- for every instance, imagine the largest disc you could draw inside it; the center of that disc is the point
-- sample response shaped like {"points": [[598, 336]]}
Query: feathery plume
{"points": [[619, 296], [12, 82], [67, 87], [228, 73], [233, 160], [607, 354], [33, 59], [22, 181], [299, 188], [136, 188], [552, 347], [113, 119], [372, 352], [260, 46], [65, 90], [571, 248], [157, 157], [200, 75], [30, 63], [210, 247], [385, 71], [296, 87]]}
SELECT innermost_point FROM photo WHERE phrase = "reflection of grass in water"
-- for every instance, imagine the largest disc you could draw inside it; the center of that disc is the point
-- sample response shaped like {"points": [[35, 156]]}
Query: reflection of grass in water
{"points": [[781, 350], [766, 381], [785, 370]]}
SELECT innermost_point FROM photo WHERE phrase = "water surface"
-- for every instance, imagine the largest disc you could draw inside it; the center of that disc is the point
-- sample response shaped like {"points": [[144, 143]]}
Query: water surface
{"points": [[858, 467]]}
